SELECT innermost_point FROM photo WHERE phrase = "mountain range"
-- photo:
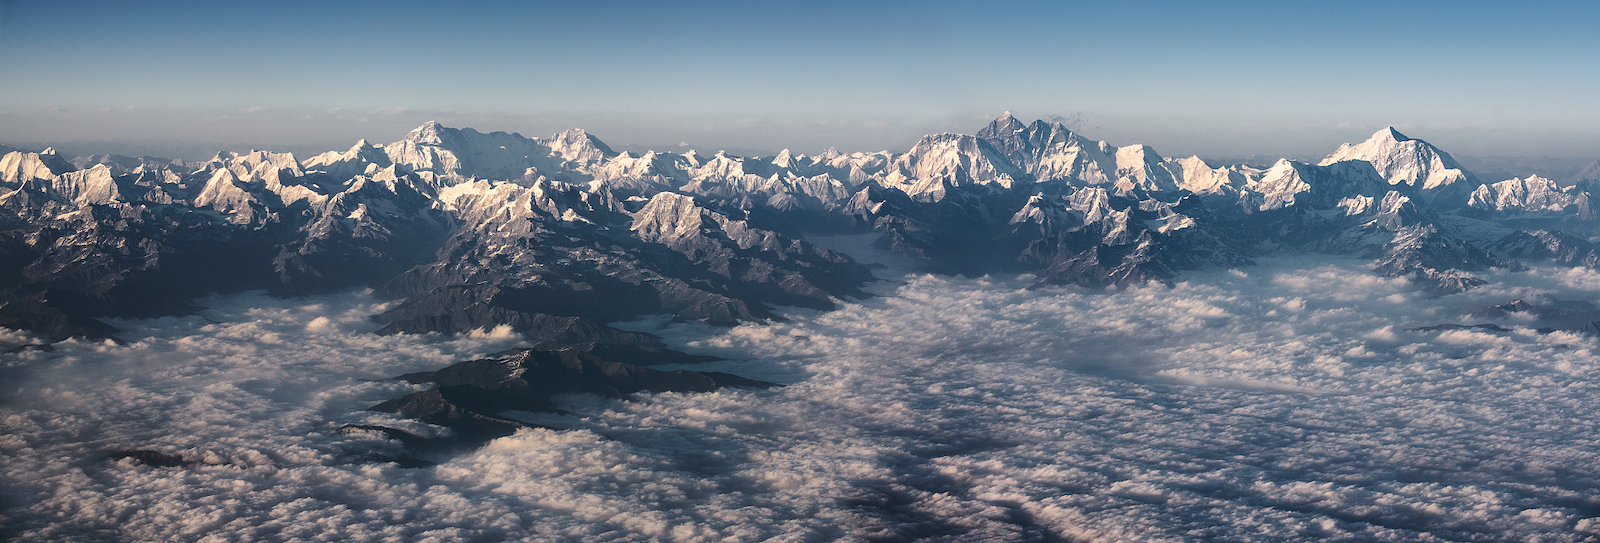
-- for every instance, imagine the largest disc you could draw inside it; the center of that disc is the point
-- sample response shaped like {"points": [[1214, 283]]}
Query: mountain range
{"points": [[557, 236]]}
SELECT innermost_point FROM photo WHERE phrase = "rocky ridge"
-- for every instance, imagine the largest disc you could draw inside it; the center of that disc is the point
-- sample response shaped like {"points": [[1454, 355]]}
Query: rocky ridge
{"points": [[557, 236], [471, 397]]}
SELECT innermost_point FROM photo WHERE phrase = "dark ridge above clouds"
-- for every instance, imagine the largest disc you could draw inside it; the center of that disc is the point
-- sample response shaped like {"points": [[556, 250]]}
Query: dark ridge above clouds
{"points": [[468, 396], [1258, 403], [556, 236]]}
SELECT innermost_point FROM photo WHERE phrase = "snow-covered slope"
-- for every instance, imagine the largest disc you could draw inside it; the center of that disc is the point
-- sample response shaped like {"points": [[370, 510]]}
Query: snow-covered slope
{"points": [[1291, 183], [1406, 161], [1533, 194], [941, 161], [18, 167], [521, 228], [1193, 174]]}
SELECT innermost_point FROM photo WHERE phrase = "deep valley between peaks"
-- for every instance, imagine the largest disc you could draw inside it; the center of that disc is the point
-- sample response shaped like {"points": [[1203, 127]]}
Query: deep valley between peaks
{"points": [[1021, 334], [552, 239]]}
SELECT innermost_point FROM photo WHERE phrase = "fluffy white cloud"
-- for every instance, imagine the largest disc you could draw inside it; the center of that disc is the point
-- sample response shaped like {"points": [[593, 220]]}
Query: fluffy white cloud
{"points": [[1280, 402]]}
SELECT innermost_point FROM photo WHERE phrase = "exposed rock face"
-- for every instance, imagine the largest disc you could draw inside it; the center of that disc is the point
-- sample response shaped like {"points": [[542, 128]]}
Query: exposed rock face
{"points": [[66, 262], [408, 218], [1106, 217], [557, 250], [1437, 260], [555, 236], [1552, 245], [1050, 153], [55, 315], [1120, 242]]}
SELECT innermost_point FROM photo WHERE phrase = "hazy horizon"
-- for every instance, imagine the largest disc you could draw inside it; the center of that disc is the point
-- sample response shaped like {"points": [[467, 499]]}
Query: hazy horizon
{"points": [[1491, 167], [478, 338], [1219, 81]]}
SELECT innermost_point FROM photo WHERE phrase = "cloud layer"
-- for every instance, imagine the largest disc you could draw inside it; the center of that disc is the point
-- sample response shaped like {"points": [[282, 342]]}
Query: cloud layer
{"points": [[1280, 402]]}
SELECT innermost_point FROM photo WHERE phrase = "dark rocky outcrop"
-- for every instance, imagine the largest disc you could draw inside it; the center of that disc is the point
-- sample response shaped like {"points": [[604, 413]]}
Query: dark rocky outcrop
{"points": [[1548, 312], [470, 396], [453, 310], [1437, 260], [53, 314], [152, 458], [556, 236], [1552, 245], [550, 259]]}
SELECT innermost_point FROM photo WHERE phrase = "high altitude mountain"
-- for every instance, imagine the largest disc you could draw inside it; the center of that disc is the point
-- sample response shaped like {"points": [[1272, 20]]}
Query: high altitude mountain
{"points": [[1410, 162], [557, 236]]}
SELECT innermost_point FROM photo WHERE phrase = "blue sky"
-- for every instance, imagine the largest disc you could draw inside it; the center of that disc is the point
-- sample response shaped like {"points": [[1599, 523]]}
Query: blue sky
{"points": [[1217, 79]]}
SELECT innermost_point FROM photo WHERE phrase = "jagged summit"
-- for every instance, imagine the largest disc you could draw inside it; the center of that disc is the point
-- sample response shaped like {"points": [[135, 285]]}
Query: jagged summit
{"points": [[475, 228], [1002, 127], [1411, 162], [19, 167], [429, 132]]}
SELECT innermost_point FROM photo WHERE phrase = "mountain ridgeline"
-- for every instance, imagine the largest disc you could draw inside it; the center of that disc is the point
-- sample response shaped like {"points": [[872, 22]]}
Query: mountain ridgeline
{"points": [[555, 237]]}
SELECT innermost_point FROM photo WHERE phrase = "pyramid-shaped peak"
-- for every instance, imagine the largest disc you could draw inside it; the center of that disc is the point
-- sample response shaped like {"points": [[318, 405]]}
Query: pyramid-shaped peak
{"points": [[1004, 126], [1403, 160], [430, 132], [429, 127], [1389, 133], [578, 137], [572, 136]]}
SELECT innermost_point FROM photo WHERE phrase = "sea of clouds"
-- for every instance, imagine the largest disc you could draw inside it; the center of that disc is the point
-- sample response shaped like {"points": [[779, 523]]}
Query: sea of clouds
{"points": [[1280, 402]]}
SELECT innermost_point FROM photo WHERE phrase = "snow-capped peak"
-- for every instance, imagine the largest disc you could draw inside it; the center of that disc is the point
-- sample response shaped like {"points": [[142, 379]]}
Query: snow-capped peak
{"points": [[579, 148], [1531, 194], [1389, 134], [428, 133], [1405, 161], [19, 167], [1002, 127]]}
